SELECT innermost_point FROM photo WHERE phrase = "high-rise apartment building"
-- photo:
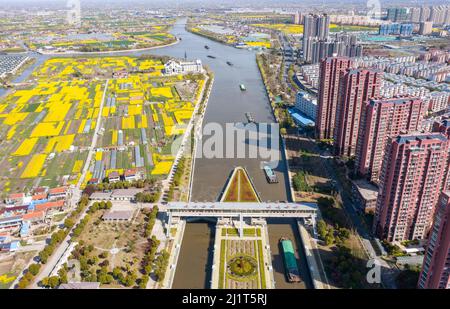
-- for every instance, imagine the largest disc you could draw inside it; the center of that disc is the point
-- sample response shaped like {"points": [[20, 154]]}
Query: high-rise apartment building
{"points": [[357, 86], [385, 118], [411, 180], [425, 12], [443, 127], [426, 27], [439, 14], [397, 14], [315, 27], [298, 18], [331, 69], [435, 272], [341, 44], [415, 14]]}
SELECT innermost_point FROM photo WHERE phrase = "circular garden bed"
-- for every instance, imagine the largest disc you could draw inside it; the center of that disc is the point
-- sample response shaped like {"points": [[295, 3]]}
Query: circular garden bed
{"points": [[242, 266]]}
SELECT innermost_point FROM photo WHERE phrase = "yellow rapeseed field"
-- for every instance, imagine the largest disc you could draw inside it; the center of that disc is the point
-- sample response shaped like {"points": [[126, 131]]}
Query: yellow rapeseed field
{"points": [[162, 168], [162, 92], [34, 166], [47, 129], [77, 166], [59, 143], [98, 156], [114, 137], [128, 122], [26, 147]]}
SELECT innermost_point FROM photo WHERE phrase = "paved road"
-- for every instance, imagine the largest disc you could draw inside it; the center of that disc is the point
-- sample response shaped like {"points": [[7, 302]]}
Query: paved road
{"points": [[287, 60], [94, 139], [365, 236], [76, 194]]}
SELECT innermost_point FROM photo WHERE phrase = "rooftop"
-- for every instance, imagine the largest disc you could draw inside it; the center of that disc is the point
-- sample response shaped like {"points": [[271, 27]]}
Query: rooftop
{"points": [[58, 190], [100, 195], [129, 172], [33, 214], [118, 215], [125, 192], [47, 205], [401, 100], [367, 190], [41, 196], [16, 195], [11, 219], [401, 139]]}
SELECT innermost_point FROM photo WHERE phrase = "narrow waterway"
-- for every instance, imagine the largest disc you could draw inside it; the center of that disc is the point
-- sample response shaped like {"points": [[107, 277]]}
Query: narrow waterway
{"points": [[196, 257], [287, 228]]}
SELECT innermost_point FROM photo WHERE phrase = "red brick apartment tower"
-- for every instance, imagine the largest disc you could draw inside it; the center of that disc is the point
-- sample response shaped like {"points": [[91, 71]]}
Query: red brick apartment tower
{"points": [[411, 180], [356, 87], [443, 127], [329, 76], [435, 272], [385, 118]]}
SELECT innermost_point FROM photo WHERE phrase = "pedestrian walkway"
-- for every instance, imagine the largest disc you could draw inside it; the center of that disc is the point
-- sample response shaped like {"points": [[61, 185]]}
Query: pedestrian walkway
{"points": [[316, 269], [174, 253]]}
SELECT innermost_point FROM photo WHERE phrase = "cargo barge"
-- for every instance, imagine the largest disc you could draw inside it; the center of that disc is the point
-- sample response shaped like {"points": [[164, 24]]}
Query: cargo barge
{"points": [[270, 174], [290, 262]]}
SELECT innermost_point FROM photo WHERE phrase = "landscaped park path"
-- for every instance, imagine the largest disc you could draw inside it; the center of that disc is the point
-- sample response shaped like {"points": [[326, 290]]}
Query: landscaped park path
{"points": [[65, 244]]}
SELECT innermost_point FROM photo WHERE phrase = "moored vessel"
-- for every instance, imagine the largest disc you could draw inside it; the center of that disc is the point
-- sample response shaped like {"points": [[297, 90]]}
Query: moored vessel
{"points": [[290, 262]]}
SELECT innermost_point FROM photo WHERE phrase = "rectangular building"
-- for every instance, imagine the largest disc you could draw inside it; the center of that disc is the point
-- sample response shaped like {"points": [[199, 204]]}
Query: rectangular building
{"points": [[183, 67], [306, 104], [411, 179], [385, 118], [435, 272], [426, 27], [331, 69], [315, 27], [356, 87], [396, 29]]}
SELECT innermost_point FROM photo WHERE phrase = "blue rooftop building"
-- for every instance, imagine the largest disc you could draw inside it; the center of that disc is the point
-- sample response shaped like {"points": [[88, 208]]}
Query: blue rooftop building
{"points": [[396, 29], [25, 229]]}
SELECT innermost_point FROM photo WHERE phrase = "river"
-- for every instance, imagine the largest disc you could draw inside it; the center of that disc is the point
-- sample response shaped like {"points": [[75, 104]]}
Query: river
{"points": [[196, 257], [287, 227], [228, 104]]}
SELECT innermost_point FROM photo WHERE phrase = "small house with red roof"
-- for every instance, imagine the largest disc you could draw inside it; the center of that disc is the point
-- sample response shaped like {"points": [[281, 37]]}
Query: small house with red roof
{"points": [[114, 177], [34, 216], [15, 199], [130, 174], [57, 193], [50, 207]]}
